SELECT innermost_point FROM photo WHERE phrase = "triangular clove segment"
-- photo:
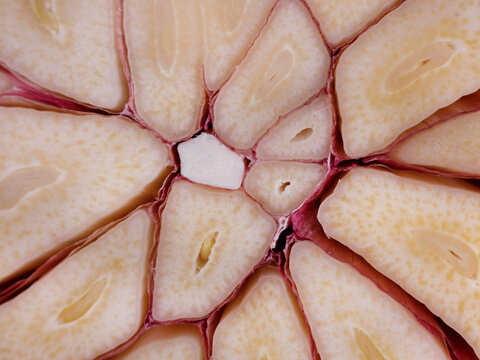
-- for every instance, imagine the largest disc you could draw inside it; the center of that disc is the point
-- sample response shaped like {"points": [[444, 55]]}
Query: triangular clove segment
{"points": [[350, 317], [304, 134], [419, 232], [90, 303], [210, 240], [230, 28], [340, 20], [282, 186], [263, 322], [164, 41], [416, 60], [287, 64], [451, 146], [68, 48], [71, 172]]}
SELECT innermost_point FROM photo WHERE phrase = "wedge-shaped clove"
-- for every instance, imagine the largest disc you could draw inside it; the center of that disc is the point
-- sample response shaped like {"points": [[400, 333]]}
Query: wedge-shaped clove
{"points": [[350, 317], [419, 58], [451, 145], [340, 20], [90, 303], [286, 66], [263, 322], [230, 28], [304, 134], [210, 240], [420, 233], [164, 41], [282, 186], [71, 172], [68, 48]]}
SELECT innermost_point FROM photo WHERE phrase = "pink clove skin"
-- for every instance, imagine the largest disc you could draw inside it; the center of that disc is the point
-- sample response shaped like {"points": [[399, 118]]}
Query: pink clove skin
{"points": [[301, 222], [130, 109], [462, 106], [206, 324], [24, 92], [20, 283], [13, 288], [283, 268], [307, 228], [213, 94]]}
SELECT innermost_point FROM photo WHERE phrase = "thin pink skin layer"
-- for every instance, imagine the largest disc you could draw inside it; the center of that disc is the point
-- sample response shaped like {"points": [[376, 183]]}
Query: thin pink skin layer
{"points": [[24, 92], [302, 222], [464, 105], [307, 228]]}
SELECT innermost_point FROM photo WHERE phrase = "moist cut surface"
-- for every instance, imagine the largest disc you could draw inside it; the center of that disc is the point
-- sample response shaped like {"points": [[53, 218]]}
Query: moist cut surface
{"points": [[239, 179]]}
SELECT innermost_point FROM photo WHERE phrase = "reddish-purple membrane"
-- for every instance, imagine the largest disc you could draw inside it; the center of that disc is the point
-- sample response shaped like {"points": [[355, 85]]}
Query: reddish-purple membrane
{"points": [[299, 225]]}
